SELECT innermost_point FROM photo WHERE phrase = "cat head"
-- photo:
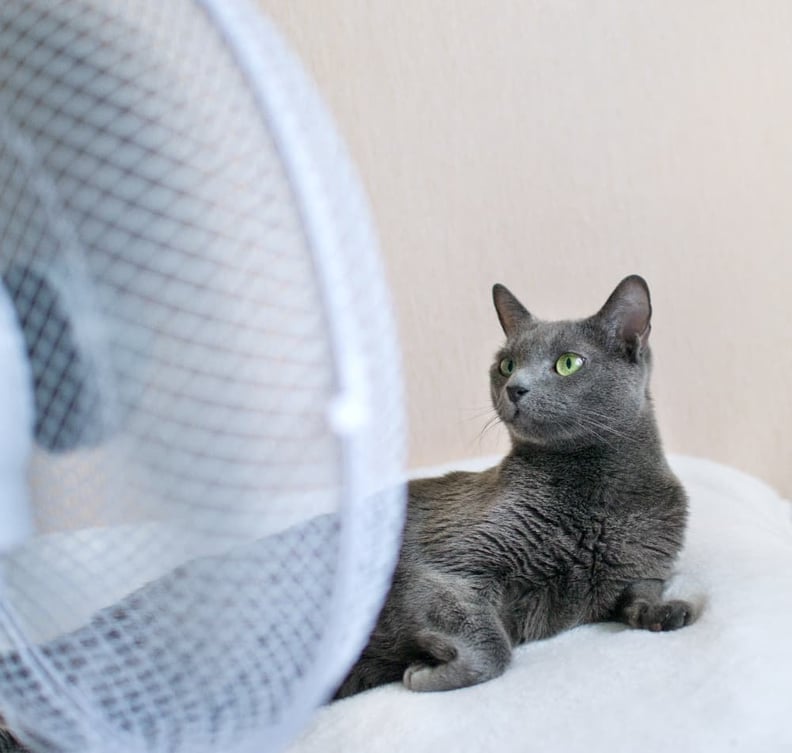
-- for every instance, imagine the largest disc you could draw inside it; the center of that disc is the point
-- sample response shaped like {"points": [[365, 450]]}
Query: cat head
{"points": [[573, 383]]}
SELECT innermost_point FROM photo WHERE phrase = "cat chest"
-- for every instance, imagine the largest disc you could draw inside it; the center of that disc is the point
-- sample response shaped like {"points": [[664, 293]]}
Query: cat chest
{"points": [[571, 571], [567, 554], [608, 536]]}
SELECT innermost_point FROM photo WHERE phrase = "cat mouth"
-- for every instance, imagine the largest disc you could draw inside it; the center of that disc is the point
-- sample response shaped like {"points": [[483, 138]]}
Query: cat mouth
{"points": [[510, 416], [520, 413], [525, 424], [518, 420]]}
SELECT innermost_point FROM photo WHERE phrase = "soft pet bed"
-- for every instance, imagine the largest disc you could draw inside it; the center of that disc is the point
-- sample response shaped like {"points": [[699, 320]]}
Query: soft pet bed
{"points": [[722, 684]]}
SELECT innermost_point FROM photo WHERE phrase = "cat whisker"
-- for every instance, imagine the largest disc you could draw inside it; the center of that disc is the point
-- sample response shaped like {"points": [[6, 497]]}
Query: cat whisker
{"points": [[591, 412], [593, 429], [592, 423], [493, 421], [480, 413]]}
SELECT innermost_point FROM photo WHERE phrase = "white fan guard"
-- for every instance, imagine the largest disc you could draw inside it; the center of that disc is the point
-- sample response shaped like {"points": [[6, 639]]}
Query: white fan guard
{"points": [[216, 481]]}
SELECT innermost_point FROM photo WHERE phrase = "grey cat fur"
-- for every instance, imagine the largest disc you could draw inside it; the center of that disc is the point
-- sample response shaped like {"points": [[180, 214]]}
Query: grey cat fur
{"points": [[581, 522]]}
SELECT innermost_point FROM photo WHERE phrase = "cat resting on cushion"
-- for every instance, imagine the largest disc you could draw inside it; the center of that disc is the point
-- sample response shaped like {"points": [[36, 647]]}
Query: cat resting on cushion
{"points": [[581, 522]]}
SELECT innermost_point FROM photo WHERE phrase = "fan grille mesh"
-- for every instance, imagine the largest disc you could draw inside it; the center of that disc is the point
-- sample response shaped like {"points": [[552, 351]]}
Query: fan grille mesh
{"points": [[214, 551]]}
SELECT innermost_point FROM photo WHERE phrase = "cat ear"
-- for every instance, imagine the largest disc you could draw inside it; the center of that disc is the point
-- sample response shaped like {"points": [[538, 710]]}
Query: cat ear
{"points": [[627, 313], [511, 313]]}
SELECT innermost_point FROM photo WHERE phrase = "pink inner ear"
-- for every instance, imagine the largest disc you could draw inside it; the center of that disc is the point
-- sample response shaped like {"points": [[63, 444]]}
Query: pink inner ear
{"points": [[636, 322], [629, 309]]}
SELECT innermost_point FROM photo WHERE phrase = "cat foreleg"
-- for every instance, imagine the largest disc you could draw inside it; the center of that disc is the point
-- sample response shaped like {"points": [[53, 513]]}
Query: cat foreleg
{"points": [[641, 605], [480, 654]]}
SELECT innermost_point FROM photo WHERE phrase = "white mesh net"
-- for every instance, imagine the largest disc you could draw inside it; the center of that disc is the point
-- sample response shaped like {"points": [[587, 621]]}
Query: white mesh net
{"points": [[219, 426]]}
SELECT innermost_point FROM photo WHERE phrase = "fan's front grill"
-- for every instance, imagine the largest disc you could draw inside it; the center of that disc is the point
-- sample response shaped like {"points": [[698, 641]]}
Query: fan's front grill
{"points": [[201, 541]]}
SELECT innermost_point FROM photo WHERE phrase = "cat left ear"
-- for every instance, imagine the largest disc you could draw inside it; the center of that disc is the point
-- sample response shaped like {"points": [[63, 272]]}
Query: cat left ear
{"points": [[511, 313], [627, 313]]}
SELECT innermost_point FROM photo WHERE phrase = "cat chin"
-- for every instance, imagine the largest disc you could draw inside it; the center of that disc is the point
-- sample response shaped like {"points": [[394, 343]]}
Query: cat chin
{"points": [[549, 444], [531, 427], [521, 434], [540, 434]]}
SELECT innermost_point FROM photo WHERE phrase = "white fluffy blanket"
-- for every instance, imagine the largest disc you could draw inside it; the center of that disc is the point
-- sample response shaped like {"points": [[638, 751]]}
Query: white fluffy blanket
{"points": [[722, 684]]}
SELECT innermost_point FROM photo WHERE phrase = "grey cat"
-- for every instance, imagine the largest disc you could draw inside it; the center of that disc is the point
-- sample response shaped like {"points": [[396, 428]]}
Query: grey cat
{"points": [[581, 522]]}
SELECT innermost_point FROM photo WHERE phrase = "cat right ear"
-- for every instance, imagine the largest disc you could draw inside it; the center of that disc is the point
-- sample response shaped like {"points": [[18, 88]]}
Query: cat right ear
{"points": [[512, 314], [627, 314]]}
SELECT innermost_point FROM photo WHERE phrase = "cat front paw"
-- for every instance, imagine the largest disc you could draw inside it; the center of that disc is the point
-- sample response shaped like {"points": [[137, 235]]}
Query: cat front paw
{"points": [[657, 617], [416, 677]]}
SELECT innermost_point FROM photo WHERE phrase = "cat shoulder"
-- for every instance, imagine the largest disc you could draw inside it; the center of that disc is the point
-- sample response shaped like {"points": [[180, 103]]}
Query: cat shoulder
{"points": [[454, 484]]}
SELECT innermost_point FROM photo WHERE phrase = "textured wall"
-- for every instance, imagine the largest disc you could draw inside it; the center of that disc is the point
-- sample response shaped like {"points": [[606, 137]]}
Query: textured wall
{"points": [[555, 147]]}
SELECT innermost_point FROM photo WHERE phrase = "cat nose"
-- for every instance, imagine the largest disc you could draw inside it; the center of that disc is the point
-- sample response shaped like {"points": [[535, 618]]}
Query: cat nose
{"points": [[515, 392]]}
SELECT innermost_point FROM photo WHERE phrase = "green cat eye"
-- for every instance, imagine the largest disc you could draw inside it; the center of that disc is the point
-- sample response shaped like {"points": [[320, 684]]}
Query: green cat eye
{"points": [[506, 367], [569, 363]]}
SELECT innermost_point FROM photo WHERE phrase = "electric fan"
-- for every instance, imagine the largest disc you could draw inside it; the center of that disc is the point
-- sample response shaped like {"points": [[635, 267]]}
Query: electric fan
{"points": [[201, 418]]}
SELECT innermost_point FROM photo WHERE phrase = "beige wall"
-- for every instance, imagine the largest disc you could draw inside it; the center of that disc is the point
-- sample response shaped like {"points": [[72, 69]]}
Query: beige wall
{"points": [[556, 146]]}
